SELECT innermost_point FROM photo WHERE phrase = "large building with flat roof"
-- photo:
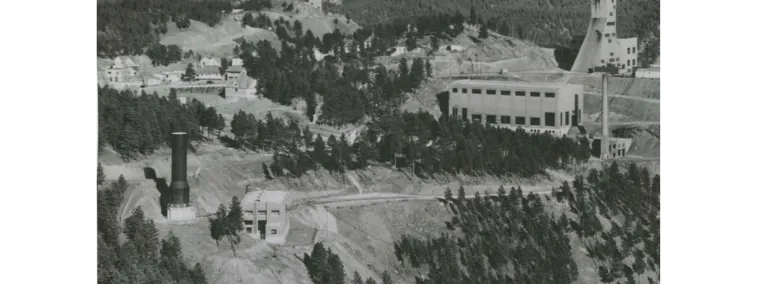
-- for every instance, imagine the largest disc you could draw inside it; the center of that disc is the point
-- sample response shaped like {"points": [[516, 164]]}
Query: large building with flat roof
{"points": [[535, 107], [266, 215]]}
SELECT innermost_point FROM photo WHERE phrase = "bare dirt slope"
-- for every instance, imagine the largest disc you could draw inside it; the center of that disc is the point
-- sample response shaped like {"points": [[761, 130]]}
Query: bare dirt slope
{"points": [[217, 40]]}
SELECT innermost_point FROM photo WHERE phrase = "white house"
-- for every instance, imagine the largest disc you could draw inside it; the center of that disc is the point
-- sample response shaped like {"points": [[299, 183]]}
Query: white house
{"points": [[172, 76], [121, 62], [241, 87], [210, 61], [209, 73], [152, 80], [397, 50], [234, 72], [237, 62]]}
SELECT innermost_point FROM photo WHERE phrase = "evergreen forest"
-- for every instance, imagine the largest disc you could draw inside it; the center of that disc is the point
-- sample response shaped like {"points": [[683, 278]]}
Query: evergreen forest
{"points": [[544, 22], [132, 252]]}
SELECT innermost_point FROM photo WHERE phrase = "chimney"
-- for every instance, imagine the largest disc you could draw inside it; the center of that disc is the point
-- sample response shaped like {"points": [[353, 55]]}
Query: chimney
{"points": [[606, 133], [179, 187]]}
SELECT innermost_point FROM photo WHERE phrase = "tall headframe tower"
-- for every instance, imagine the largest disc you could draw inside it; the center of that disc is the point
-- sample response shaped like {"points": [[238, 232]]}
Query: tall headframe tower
{"points": [[179, 207], [602, 49]]}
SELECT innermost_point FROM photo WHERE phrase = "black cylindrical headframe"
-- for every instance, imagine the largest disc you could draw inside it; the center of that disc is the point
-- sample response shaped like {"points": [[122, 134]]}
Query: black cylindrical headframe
{"points": [[179, 186]]}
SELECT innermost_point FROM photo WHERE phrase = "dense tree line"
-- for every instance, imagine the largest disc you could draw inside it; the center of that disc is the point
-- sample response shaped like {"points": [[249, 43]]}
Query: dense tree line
{"points": [[512, 237], [348, 96], [425, 146], [142, 257], [542, 21], [227, 224], [164, 54], [141, 124], [127, 27], [325, 267]]}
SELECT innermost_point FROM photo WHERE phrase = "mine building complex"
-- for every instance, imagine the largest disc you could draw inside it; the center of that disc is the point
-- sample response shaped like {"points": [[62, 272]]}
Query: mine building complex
{"points": [[266, 215], [534, 107]]}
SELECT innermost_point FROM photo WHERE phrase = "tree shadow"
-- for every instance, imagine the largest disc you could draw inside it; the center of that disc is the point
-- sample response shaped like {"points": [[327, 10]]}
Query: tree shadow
{"points": [[162, 187]]}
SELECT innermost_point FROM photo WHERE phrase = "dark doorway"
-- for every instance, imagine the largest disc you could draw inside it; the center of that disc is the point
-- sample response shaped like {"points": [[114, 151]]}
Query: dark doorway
{"points": [[576, 112], [262, 228]]}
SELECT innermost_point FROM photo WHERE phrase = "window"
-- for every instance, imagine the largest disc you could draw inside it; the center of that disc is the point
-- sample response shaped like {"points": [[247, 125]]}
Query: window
{"points": [[520, 120], [273, 231], [249, 230], [535, 94], [464, 113], [561, 119], [463, 90], [602, 60], [611, 53], [262, 213], [609, 40], [610, 14], [455, 90], [477, 91], [455, 111], [490, 119], [567, 118], [633, 50], [549, 95], [633, 62], [275, 213], [506, 119], [506, 92], [611, 23], [627, 50], [248, 222], [623, 66], [477, 117], [549, 119], [490, 92], [520, 93], [535, 121], [628, 62]]}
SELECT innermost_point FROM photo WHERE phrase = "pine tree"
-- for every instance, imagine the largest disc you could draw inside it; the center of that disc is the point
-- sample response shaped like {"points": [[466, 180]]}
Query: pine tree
{"points": [[504, 29], [189, 74], [356, 279], [483, 32], [265, 170], [417, 73], [428, 68], [472, 16], [385, 278], [197, 275], [370, 281], [100, 175], [235, 217]]}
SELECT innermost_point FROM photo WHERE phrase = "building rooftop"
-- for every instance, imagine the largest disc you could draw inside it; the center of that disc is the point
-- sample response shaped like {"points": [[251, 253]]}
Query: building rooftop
{"points": [[235, 69], [242, 82], [265, 196], [500, 83], [209, 70]]}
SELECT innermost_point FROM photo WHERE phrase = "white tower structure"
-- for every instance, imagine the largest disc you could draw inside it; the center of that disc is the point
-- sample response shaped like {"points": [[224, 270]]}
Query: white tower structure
{"points": [[601, 48]]}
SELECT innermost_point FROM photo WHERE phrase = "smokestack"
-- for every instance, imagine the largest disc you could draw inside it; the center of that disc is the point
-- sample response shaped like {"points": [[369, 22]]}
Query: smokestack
{"points": [[606, 133], [179, 187]]}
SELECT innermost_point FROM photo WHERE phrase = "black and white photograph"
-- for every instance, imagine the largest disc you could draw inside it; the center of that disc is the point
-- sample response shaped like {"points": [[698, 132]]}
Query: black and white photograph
{"points": [[385, 141]]}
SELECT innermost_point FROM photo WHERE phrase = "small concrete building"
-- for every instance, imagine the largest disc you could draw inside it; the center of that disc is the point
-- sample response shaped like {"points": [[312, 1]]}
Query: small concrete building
{"points": [[266, 215], [617, 147], [210, 61], [237, 62], [551, 108]]}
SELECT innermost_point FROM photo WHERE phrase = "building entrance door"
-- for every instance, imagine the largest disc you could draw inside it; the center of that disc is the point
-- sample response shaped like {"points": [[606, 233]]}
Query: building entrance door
{"points": [[576, 111], [262, 229]]}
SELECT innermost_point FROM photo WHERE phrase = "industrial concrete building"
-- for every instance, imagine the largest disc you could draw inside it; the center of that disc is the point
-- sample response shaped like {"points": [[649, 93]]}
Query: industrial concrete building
{"points": [[617, 147], [601, 49], [534, 107], [266, 215]]}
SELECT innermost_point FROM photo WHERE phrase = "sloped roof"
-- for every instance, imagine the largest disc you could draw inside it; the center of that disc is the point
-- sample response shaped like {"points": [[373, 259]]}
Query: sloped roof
{"points": [[242, 82], [236, 69], [209, 70]]}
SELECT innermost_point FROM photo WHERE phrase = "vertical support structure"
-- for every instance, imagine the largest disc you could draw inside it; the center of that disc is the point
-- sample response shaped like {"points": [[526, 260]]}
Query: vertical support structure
{"points": [[606, 133]]}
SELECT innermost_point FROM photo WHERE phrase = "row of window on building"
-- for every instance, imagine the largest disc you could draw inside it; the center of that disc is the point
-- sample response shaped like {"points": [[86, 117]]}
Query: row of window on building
{"points": [[503, 92], [549, 118]]}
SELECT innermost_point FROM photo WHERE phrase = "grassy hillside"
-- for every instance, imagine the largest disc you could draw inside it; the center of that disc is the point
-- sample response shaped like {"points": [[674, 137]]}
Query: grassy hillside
{"points": [[543, 21]]}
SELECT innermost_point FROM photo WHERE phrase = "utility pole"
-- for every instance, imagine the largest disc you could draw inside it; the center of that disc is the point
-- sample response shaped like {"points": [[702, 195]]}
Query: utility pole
{"points": [[606, 133]]}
